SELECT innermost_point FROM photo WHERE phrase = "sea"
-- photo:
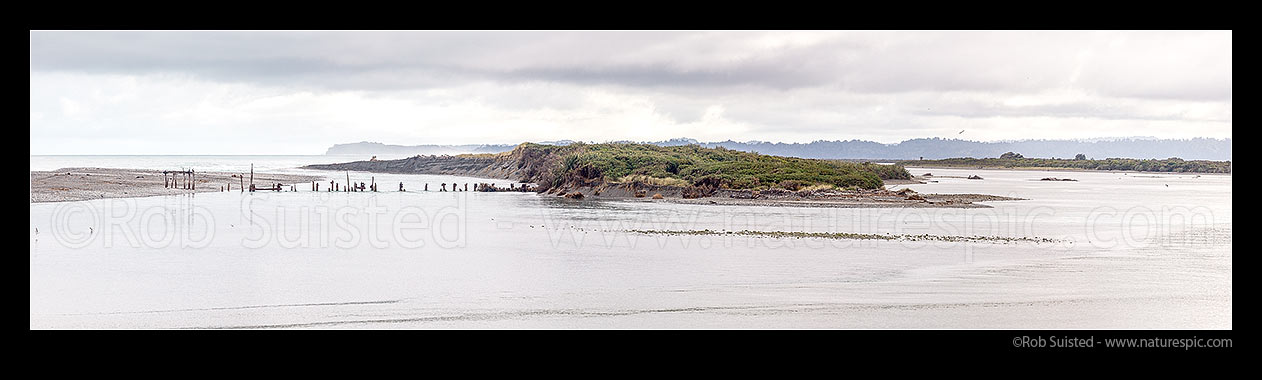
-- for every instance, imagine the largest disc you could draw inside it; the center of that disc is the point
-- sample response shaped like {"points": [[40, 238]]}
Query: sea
{"points": [[1114, 250]]}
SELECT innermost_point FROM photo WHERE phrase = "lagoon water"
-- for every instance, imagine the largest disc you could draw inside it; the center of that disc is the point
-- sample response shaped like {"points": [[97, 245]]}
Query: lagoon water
{"points": [[1131, 250]]}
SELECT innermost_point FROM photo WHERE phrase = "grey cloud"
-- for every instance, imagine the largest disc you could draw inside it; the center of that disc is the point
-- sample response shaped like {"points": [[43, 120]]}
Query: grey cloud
{"points": [[873, 62]]}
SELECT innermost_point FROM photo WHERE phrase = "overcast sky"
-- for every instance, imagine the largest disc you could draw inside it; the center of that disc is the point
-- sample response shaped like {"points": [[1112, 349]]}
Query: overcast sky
{"points": [[274, 92]]}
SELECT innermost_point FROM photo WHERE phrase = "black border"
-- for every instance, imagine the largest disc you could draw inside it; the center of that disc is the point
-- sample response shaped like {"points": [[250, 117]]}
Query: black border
{"points": [[618, 16], [563, 345]]}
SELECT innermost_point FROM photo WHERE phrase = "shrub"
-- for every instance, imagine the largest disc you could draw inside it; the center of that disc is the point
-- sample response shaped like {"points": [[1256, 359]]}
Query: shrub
{"points": [[791, 185]]}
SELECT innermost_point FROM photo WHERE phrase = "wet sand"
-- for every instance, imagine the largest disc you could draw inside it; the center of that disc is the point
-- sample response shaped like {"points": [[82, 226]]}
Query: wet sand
{"points": [[76, 184]]}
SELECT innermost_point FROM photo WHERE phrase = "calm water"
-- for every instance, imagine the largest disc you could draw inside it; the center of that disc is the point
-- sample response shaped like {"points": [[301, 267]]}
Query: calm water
{"points": [[1133, 251]]}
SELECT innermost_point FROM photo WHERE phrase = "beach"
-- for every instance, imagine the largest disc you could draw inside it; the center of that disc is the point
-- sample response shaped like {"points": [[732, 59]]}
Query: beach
{"points": [[77, 184]]}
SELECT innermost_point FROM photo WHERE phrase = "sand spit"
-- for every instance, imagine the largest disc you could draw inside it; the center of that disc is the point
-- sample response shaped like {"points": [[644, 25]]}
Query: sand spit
{"points": [[855, 236], [77, 184]]}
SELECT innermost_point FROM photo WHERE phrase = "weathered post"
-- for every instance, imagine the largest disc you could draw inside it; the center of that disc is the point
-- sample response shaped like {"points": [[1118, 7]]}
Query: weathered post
{"points": [[251, 175]]}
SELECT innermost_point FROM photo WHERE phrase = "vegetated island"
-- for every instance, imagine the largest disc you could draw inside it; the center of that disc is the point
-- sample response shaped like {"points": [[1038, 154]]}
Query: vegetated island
{"points": [[1013, 160], [684, 173]]}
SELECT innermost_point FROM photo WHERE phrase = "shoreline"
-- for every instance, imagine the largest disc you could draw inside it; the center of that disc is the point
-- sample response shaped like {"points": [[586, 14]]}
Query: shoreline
{"points": [[874, 201], [1054, 169], [876, 198], [80, 184]]}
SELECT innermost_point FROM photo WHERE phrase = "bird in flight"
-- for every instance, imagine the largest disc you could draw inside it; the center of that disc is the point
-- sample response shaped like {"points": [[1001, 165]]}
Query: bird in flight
{"points": [[961, 132]]}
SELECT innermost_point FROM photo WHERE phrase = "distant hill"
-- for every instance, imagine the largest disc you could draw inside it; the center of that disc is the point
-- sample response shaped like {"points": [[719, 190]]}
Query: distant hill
{"points": [[376, 148], [1169, 165], [929, 148]]}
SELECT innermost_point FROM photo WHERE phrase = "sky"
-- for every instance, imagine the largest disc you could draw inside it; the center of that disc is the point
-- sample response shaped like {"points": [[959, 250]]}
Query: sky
{"points": [[299, 92]]}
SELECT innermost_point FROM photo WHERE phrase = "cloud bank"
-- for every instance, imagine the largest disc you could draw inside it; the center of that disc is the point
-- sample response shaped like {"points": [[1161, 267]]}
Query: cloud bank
{"points": [[300, 92]]}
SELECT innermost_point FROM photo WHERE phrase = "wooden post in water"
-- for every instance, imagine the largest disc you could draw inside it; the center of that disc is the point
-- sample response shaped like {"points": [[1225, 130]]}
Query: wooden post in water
{"points": [[241, 179], [251, 174], [374, 183], [348, 180], [193, 174]]}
